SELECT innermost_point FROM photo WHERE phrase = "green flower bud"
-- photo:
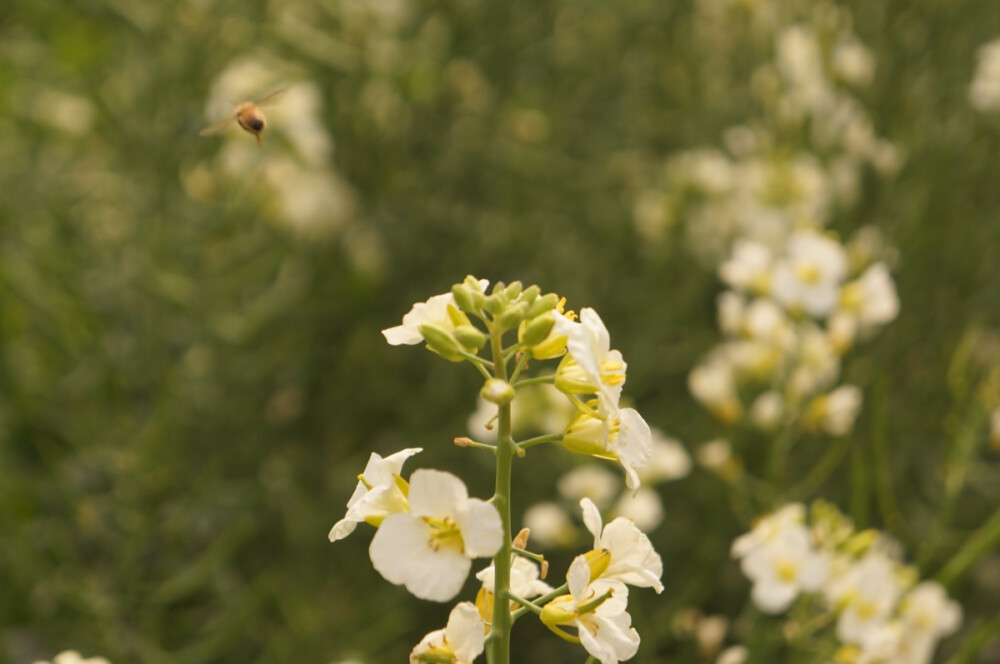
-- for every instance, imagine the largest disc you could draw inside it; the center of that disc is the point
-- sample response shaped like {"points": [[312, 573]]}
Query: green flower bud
{"points": [[467, 299], [513, 290], [512, 316], [494, 304], [470, 337], [530, 294], [535, 331], [542, 304], [497, 391], [441, 342]]}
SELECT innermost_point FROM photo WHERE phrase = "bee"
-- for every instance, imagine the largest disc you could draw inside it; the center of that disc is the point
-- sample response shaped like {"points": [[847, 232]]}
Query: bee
{"points": [[248, 115]]}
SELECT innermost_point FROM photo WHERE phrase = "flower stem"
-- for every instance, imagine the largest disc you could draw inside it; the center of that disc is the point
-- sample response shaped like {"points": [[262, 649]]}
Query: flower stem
{"points": [[499, 645]]}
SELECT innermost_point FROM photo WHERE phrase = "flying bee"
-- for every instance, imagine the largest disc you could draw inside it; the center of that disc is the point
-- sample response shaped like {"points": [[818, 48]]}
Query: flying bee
{"points": [[248, 115]]}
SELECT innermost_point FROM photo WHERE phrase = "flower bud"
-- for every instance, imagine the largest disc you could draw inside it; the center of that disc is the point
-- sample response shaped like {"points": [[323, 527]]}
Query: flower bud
{"points": [[544, 303], [494, 304], [513, 290], [467, 299], [497, 391], [533, 332], [470, 337], [512, 316], [441, 342], [530, 294]]}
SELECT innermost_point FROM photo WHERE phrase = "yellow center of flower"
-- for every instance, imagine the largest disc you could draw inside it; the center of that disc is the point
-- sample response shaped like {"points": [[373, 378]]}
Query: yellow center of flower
{"points": [[444, 533], [807, 273], [786, 570]]}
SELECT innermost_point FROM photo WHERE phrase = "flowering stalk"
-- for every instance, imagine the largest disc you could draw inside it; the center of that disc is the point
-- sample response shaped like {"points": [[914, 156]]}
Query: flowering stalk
{"points": [[499, 644]]}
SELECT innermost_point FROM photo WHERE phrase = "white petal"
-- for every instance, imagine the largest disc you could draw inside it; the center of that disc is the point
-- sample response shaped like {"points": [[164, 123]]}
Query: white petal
{"points": [[380, 471], [465, 633], [592, 519], [773, 597], [578, 577], [342, 529], [633, 559], [402, 336], [436, 493], [482, 530], [401, 553]]}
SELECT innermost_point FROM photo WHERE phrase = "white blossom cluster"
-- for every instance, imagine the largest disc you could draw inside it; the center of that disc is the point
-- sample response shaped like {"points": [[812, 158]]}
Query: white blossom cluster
{"points": [[984, 92], [882, 612], [292, 178], [428, 529], [799, 161], [788, 318]]}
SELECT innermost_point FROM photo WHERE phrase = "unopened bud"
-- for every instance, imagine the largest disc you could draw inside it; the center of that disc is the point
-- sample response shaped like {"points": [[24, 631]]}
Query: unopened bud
{"points": [[470, 337], [513, 290], [463, 441], [512, 316], [494, 304], [467, 299], [536, 330], [542, 304], [440, 341], [497, 391], [521, 540], [530, 294]]}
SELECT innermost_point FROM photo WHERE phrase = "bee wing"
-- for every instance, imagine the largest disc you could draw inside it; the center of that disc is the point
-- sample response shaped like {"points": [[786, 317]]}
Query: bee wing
{"points": [[273, 97], [217, 127]]}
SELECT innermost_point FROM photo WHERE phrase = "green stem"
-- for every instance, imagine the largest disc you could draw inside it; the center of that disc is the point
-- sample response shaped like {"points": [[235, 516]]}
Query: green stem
{"points": [[537, 380], [522, 362], [544, 599], [540, 440], [499, 640], [524, 602], [984, 540]]}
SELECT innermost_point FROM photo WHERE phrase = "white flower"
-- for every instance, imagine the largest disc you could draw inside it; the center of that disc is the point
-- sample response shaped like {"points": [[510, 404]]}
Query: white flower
{"points": [[549, 524], [782, 567], [713, 383], [439, 310], [927, 611], [632, 558], [872, 297], [835, 412], [430, 549], [669, 461], [73, 657], [377, 495], [733, 655], [463, 639], [591, 366], [767, 410], [809, 276], [749, 267], [869, 591], [621, 435], [605, 630], [768, 528], [524, 579], [984, 94], [589, 481], [644, 508], [853, 62]]}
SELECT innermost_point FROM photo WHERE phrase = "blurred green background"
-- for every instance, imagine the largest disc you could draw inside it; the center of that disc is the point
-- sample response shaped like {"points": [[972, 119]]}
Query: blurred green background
{"points": [[191, 370]]}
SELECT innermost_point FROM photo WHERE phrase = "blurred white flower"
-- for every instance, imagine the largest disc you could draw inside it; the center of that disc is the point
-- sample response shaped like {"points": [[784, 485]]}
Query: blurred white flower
{"points": [[868, 593], [73, 657], [733, 655], [670, 461], [644, 508], [550, 525], [871, 298], [808, 277], [853, 62], [984, 93], [430, 549], [590, 481], [749, 267], [767, 410], [835, 412], [782, 566]]}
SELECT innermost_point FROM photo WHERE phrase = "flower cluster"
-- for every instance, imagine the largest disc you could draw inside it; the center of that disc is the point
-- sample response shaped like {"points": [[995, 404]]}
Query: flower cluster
{"points": [[788, 318], [881, 611], [797, 164], [428, 528]]}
